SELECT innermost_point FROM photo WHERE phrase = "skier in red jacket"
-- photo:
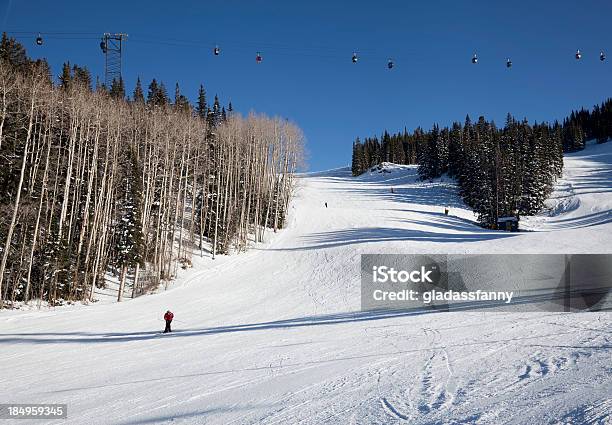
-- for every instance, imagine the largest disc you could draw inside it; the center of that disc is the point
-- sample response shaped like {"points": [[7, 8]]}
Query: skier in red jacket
{"points": [[168, 318]]}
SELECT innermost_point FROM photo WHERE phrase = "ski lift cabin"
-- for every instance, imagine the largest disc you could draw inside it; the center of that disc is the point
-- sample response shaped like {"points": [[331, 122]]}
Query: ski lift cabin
{"points": [[509, 224]]}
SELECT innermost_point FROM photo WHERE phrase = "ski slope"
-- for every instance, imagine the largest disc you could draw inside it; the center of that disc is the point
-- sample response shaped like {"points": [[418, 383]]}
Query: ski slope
{"points": [[275, 335]]}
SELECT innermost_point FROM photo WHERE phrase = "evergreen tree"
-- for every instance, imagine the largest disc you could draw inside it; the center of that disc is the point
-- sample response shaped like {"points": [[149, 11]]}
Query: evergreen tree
{"points": [[162, 95], [66, 77], [396, 150], [442, 147], [157, 95], [358, 163], [129, 240], [201, 107], [117, 90], [138, 95], [180, 102], [100, 87], [214, 115], [455, 150], [81, 77], [429, 160], [13, 53]]}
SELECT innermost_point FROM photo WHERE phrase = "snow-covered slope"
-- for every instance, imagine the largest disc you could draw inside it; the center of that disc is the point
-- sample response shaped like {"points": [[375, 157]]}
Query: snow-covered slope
{"points": [[583, 196], [275, 335]]}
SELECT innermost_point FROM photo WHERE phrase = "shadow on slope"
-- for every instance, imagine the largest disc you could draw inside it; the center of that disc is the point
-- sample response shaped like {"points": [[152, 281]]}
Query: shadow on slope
{"points": [[591, 187], [362, 235], [554, 295], [430, 194]]}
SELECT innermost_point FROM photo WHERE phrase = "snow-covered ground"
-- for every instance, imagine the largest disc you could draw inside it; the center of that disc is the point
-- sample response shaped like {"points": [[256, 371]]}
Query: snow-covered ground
{"points": [[275, 335]]}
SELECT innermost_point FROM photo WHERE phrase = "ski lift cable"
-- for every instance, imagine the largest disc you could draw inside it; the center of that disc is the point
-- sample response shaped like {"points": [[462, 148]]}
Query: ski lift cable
{"points": [[176, 42], [51, 33], [223, 49], [305, 50]]}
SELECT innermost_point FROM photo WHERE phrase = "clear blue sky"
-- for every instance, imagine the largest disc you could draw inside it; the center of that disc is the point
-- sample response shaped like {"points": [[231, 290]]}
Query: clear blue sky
{"points": [[307, 74]]}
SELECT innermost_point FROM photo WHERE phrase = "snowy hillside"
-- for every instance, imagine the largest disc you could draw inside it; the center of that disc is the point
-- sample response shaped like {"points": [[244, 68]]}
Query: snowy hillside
{"points": [[583, 196], [275, 336]]}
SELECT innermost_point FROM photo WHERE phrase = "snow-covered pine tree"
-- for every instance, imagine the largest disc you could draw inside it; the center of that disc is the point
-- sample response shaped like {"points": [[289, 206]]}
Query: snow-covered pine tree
{"points": [[483, 179], [127, 227], [443, 150], [429, 160], [214, 114]]}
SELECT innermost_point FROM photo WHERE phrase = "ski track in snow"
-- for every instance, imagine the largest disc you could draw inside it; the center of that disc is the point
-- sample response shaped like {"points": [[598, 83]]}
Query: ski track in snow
{"points": [[275, 336]]}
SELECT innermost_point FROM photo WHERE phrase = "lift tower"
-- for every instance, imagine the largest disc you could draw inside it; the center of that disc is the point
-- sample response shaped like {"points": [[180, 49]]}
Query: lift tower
{"points": [[111, 46]]}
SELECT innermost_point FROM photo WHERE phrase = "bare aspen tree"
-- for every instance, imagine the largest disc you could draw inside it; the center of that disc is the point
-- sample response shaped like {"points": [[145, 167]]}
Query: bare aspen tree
{"points": [[109, 187], [30, 92]]}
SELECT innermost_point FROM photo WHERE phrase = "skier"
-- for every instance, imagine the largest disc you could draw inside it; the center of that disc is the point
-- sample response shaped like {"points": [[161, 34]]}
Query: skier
{"points": [[326, 205], [168, 318]]}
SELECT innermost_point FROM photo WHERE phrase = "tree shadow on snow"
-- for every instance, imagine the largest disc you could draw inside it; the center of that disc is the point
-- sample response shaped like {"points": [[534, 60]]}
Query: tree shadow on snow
{"points": [[390, 234], [555, 295]]}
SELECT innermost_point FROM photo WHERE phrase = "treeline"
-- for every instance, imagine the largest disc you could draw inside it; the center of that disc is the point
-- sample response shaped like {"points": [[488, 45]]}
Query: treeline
{"points": [[501, 172], [405, 147], [585, 125], [93, 184], [400, 148]]}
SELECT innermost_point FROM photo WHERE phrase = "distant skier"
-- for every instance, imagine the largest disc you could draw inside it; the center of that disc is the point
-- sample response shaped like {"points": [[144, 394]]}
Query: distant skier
{"points": [[326, 205], [168, 318]]}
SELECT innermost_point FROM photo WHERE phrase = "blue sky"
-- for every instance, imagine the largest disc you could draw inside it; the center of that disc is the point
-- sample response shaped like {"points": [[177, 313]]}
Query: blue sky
{"points": [[307, 74]]}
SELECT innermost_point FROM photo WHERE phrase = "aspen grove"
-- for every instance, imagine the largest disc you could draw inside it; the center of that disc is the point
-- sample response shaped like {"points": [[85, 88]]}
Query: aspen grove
{"points": [[93, 185]]}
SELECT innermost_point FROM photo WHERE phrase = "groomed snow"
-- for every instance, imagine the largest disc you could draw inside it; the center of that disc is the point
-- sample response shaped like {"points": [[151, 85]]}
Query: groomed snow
{"points": [[275, 335]]}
